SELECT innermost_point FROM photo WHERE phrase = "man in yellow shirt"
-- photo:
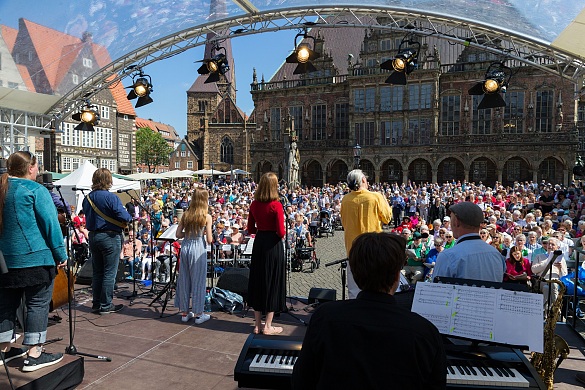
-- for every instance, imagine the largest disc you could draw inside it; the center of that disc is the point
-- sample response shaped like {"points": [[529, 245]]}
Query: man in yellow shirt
{"points": [[362, 211]]}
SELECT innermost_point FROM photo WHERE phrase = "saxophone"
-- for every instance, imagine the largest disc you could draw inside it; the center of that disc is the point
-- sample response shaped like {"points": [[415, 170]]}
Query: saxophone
{"points": [[555, 347]]}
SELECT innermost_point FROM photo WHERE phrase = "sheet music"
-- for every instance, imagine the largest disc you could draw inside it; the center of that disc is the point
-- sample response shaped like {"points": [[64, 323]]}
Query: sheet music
{"points": [[485, 314]]}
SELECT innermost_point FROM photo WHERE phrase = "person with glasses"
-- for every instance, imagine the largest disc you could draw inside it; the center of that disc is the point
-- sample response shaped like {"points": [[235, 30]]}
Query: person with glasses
{"points": [[471, 257], [556, 271], [439, 246], [565, 244], [33, 248], [449, 240], [362, 211]]}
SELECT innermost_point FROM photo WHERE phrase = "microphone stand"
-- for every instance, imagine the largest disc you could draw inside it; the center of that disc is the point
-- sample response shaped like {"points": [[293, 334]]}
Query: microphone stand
{"points": [[134, 294], [284, 202], [548, 268], [71, 349], [343, 268]]}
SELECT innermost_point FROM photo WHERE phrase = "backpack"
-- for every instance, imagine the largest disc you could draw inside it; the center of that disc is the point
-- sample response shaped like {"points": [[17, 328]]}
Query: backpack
{"points": [[228, 301]]}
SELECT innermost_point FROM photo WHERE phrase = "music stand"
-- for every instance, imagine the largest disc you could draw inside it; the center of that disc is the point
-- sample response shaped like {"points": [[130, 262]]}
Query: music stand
{"points": [[168, 235]]}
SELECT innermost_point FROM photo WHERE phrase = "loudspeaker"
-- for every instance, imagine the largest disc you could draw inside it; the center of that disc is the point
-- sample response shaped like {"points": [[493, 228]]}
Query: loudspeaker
{"points": [[322, 295], [235, 280], [85, 274]]}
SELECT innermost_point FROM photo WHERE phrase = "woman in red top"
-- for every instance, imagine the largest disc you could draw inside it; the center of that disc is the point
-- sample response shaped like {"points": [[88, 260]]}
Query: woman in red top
{"points": [[518, 268], [266, 286]]}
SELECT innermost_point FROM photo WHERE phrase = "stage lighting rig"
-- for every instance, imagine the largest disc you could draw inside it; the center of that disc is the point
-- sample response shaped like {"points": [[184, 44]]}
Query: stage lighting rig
{"points": [[88, 117], [496, 80], [404, 63], [303, 55], [141, 88], [214, 66]]}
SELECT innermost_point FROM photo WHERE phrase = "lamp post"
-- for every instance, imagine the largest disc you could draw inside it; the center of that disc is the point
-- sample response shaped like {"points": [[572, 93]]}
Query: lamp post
{"points": [[357, 154], [212, 165]]}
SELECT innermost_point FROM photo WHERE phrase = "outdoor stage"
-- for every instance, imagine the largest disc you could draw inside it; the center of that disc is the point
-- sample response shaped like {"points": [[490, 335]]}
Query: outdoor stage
{"points": [[150, 352]]}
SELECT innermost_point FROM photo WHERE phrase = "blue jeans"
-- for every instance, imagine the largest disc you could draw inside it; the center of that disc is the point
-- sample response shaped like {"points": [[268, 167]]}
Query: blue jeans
{"points": [[105, 256], [37, 299]]}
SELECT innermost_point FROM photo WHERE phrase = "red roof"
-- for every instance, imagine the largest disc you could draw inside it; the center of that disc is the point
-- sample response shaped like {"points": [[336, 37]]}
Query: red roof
{"points": [[119, 93], [9, 35], [26, 77], [57, 51], [158, 127]]}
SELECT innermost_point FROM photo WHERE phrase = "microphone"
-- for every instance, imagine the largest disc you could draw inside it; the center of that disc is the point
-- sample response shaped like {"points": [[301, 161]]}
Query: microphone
{"points": [[120, 191], [283, 200], [556, 255], [78, 189], [58, 187]]}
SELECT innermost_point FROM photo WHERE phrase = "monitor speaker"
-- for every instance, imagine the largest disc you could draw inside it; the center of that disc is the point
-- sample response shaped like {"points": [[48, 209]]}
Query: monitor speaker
{"points": [[322, 295], [85, 274], [235, 280]]}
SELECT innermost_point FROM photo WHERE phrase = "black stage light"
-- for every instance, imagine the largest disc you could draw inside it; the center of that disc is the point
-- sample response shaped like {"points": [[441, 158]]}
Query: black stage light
{"points": [[496, 81], [141, 88], [303, 55], [404, 63], [88, 117], [214, 66]]}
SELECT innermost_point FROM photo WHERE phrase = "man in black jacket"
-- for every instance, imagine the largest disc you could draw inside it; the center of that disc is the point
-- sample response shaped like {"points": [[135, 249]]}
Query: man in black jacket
{"points": [[371, 342]]}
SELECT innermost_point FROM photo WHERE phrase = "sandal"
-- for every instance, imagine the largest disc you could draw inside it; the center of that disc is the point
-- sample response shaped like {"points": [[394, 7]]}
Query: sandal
{"points": [[274, 330]]}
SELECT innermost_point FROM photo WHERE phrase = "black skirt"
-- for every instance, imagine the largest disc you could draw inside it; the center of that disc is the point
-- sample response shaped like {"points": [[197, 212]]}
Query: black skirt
{"points": [[267, 283]]}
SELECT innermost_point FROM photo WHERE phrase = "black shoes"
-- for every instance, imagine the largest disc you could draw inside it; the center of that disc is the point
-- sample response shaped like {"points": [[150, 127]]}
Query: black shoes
{"points": [[112, 309], [11, 354], [44, 360]]}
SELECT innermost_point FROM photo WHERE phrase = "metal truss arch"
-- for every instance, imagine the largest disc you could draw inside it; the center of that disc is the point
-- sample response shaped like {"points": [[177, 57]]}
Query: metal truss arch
{"points": [[514, 48]]}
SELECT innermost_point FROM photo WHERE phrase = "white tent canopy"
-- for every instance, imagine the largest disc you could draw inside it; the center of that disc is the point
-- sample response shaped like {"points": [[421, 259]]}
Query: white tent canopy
{"points": [[81, 179], [146, 176], [176, 174]]}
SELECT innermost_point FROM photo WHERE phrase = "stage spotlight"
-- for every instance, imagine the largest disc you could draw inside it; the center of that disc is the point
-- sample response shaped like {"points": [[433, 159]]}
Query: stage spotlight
{"points": [[303, 55], [214, 66], [496, 80], [404, 63], [141, 89], [88, 117]]}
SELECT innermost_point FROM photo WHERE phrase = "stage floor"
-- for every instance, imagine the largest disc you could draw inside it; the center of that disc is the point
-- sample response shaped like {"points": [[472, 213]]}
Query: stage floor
{"points": [[148, 351]]}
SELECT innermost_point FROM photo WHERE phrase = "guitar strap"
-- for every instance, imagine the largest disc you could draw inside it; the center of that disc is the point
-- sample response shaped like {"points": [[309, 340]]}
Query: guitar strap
{"points": [[104, 216]]}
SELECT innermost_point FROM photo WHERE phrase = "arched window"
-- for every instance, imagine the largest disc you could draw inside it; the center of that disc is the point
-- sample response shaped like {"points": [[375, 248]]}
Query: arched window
{"points": [[227, 151]]}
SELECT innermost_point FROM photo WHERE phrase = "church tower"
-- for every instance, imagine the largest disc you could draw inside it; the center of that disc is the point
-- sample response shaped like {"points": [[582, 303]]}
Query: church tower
{"points": [[203, 98]]}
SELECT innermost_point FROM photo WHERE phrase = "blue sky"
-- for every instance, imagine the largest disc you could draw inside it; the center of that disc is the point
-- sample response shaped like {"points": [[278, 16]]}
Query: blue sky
{"points": [[172, 77]]}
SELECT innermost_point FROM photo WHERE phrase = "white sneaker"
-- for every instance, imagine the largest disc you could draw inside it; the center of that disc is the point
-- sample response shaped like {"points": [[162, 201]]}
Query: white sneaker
{"points": [[187, 317], [202, 318]]}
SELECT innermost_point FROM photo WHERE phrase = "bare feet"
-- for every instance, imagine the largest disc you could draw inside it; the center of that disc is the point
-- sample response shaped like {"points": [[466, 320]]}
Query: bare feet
{"points": [[273, 330], [258, 330]]}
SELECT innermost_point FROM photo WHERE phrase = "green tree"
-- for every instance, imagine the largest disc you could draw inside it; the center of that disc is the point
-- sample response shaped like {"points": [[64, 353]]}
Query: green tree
{"points": [[151, 148]]}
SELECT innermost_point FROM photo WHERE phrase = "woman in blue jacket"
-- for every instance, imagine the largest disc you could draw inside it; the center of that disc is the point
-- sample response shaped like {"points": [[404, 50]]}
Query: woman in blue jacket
{"points": [[32, 245]]}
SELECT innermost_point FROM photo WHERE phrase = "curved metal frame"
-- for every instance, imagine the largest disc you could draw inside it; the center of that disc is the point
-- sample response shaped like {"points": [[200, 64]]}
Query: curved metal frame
{"points": [[513, 47]]}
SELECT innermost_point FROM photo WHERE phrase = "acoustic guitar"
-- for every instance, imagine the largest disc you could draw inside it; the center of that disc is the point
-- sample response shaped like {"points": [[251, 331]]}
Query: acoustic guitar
{"points": [[60, 293]]}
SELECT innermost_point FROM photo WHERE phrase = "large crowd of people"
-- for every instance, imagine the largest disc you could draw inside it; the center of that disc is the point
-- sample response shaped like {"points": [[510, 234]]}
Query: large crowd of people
{"points": [[517, 230]]}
